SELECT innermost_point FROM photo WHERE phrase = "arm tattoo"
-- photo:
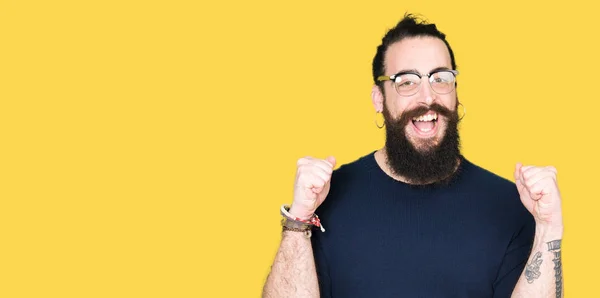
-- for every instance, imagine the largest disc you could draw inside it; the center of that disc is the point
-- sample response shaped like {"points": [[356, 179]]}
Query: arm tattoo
{"points": [[554, 247], [532, 270]]}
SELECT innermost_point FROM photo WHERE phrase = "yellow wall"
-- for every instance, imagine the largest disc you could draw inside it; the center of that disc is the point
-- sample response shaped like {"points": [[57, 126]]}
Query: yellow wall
{"points": [[147, 145]]}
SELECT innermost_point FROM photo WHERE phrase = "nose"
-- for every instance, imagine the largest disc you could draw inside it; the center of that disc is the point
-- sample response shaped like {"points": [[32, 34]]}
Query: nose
{"points": [[426, 94]]}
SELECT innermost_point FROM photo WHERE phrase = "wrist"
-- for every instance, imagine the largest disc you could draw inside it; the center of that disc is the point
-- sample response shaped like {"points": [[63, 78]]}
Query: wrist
{"points": [[299, 212], [298, 224], [548, 232]]}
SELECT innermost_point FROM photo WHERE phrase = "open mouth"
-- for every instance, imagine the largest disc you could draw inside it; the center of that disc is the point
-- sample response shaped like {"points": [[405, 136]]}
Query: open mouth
{"points": [[426, 125]]}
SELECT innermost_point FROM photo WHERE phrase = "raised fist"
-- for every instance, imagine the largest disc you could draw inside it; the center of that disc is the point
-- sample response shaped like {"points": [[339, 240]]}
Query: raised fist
{"points": [[312, 185]]}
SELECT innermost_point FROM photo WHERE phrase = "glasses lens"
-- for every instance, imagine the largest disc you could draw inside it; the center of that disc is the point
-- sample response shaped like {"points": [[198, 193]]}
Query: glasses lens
{"points": [[407, 84], [442, 82]]}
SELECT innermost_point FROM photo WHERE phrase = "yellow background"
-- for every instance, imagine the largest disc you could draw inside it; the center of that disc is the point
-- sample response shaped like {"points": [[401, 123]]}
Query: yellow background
{"points": [[146, 146]]}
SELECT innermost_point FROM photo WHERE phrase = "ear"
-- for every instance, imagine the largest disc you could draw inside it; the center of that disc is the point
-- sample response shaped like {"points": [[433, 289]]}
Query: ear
{"points": [[377, 98]]}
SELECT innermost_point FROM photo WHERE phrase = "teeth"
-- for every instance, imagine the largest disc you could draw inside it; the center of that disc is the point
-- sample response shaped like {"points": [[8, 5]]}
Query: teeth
{"points": [[428, 117]]}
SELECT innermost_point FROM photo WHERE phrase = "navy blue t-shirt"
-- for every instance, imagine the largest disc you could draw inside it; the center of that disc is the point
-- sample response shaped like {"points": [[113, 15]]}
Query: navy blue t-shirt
{"points": [[384, 238]]}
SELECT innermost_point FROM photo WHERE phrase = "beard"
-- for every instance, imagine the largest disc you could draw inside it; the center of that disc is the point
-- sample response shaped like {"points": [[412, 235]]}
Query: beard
{"points": [[427, 162]]}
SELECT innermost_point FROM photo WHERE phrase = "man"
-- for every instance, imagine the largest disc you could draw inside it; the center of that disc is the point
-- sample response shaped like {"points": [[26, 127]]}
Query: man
{"points": [[416, 218]]}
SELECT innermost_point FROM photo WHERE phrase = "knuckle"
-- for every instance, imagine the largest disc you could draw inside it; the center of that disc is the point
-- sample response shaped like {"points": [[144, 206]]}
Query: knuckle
{"points": [[301, 161], [529, 184]]}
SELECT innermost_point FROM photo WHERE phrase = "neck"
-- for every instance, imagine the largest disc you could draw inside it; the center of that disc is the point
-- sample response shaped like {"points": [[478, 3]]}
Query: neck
{"points": [[381, 159]]}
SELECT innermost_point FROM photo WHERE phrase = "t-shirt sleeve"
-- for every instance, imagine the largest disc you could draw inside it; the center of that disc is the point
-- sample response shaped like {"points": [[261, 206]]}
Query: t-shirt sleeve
{"points": [[515, 258], [321, 265]]}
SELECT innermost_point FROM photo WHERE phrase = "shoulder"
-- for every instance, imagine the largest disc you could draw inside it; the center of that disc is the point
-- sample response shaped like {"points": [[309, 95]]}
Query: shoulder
{"points": [[497, 192], [480, 177], [360, 167]]}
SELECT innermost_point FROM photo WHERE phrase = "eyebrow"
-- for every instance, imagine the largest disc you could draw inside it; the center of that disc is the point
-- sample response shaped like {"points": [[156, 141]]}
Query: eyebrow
{"points": [[441, 68]]}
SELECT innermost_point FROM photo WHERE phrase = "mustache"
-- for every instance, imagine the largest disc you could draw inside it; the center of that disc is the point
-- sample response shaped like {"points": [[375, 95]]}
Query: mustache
{"points": [[420, 110]]}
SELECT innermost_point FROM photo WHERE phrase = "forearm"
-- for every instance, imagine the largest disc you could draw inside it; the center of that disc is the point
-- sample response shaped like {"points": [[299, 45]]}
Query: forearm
{"points": [[293, 273], [542, 276]]}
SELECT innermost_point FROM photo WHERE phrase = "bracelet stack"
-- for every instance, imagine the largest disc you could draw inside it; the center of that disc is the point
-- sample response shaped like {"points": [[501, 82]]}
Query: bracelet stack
{"points": [[295, 224]]}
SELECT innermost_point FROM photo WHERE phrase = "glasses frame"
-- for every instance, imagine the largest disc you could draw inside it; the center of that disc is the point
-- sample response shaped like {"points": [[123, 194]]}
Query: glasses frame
{"points": [[428, 75]]}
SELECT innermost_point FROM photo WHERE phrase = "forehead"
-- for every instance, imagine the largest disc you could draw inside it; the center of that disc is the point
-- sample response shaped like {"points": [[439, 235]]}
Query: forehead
{"points": [[420, 53]]}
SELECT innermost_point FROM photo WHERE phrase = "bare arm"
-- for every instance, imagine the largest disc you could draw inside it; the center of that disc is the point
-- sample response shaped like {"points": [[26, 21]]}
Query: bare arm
{"points": [[293, 273], [542, 276]]}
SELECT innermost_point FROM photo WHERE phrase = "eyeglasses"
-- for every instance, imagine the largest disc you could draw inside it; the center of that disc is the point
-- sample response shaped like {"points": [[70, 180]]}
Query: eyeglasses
{"points": [[407, 83]]}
